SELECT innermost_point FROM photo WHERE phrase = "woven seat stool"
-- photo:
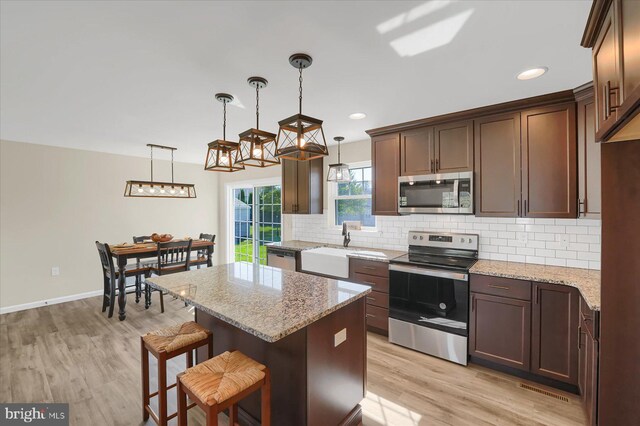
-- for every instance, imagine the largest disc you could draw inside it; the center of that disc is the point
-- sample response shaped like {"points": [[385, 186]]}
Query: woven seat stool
{"points": [[220, 383], [166, 344]]}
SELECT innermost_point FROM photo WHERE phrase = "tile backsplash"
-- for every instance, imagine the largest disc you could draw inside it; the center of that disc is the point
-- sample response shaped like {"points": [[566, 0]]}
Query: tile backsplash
{"points": [[560, 242]]}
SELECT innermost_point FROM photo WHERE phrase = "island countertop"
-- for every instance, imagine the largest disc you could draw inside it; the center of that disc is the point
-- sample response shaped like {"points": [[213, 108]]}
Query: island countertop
{"points": [[268, 302]]}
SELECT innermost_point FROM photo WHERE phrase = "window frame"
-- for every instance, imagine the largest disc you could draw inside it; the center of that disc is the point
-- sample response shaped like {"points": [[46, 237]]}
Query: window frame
{"points": [[333, 196]]}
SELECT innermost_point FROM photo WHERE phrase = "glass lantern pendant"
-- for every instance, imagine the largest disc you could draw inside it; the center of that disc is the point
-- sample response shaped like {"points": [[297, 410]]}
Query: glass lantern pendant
{"points": [[223, 155], [301, 137], [257, 147], [338, 172]]}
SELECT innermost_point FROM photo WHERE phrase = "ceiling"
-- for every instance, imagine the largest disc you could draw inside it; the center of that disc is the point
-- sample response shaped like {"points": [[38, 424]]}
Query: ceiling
{"points": [[114, 76]]}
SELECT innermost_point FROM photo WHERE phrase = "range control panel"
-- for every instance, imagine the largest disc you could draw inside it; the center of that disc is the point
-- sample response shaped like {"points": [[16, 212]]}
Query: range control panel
{"points": [[444, 240]]}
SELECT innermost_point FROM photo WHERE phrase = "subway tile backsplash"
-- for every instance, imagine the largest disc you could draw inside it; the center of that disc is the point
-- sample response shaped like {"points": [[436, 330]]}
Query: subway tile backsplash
{"points": [[559, 242]]}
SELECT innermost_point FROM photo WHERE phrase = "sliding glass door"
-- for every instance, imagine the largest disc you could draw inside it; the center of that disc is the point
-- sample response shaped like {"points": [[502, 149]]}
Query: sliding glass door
{"points": [[257, 220]]}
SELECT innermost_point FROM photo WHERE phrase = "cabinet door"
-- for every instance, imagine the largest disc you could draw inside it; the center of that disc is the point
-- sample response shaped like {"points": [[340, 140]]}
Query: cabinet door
{"points": [[606, 80], [303, 187], [588, 161], [453, 147], [416, 152], [554, 343], [385, 158], [630, 40], [500, 330], [497, 165], [549, 151], [289, 186], [582, 362], [309, 186]]}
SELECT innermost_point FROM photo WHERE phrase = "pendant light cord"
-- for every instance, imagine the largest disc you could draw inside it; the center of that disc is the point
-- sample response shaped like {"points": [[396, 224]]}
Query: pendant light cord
{"points": [[339, 162], [172, 164], [257, 106], [151, 163], [300, 96], [224, 121]]}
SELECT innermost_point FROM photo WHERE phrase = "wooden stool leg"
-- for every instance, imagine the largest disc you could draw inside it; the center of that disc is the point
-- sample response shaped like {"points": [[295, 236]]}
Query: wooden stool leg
{"points": [[265, 397], [212, 416], [145, 380], [189, 359], [233, 415], [162, 389], [161, 302], [182, 404]]}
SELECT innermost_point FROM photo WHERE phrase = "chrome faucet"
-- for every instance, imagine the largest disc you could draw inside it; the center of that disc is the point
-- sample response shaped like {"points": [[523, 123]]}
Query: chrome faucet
{"points": [[347, 235]]}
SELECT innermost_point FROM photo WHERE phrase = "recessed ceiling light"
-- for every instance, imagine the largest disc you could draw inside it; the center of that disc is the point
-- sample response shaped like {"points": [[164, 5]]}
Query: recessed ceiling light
{"points": [[532, 73], [357, 115]]}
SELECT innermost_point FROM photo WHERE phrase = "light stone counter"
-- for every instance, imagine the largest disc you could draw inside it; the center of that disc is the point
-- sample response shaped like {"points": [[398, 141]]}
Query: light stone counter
{"points": [[585, 280], [268, 302], [380, 255]]}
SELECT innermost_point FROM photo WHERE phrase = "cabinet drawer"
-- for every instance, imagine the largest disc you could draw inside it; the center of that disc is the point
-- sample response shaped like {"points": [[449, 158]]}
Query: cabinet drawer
{"points": [[378, 317], [379, 284], [377, 298], [505, 287], [369, 267]]}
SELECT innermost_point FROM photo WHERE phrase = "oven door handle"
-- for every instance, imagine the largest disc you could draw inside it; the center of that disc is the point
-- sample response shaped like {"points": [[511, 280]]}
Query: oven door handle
{"points": [[429, 272]]}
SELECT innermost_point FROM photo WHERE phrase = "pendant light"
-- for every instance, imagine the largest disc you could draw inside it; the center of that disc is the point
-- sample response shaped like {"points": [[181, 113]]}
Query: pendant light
{"points": [[257, 147], [151, 188], [301, 137], [223, 155], [338, 172]]}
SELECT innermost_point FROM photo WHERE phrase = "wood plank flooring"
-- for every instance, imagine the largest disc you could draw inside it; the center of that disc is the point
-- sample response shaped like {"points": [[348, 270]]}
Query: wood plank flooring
{"points": [[73, 353]]}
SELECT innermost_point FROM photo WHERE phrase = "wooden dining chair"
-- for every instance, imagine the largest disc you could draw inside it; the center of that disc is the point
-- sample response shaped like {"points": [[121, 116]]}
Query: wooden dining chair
{"points": [[172, 257], [142, 263], [110, 276], [202, 256]]}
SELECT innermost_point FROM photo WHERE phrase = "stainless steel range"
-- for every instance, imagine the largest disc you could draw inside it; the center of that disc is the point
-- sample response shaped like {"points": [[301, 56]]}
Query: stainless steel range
{"points": [[429, 294]]}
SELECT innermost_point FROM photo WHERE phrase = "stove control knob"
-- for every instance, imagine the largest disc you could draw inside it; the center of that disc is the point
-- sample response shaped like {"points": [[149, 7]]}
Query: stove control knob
{"points": [[415, 237], [462, 240], [469, 240], [421, 237]]}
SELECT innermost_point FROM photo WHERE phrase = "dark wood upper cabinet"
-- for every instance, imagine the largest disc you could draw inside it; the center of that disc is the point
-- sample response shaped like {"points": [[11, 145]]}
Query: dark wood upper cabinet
{"points": [[500, 330], [549, 153], [416, 152], [385, 159], [497, 165], [589, 198], [302, 186], [453, 147], [555, 319], [613, 33]]}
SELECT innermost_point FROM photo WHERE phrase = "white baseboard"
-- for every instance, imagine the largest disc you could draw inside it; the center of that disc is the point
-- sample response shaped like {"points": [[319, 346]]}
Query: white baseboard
{"points": [[54, 301]]}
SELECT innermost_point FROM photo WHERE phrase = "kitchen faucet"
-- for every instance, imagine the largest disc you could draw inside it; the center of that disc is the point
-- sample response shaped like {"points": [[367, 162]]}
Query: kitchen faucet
{"points": [[347, 235]]}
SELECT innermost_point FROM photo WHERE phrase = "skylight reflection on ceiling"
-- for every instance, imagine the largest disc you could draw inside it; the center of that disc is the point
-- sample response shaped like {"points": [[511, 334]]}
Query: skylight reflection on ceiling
{"points": [[433, 36], [410, 16]]}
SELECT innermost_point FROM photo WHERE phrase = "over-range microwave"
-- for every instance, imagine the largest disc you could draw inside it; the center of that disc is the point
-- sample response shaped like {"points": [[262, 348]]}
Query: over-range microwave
{"points": [[448, 193]]}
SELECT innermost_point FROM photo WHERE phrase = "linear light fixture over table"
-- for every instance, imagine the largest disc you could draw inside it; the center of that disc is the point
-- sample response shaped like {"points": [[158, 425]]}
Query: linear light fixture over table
{"points": [[140, 188], [338, 172], [301, 137], [223, 155], [257, 147]]}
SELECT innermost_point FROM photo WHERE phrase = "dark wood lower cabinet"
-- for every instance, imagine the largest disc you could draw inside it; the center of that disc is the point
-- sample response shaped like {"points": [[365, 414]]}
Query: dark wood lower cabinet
{"points": [[500, 330], [588, 373], [555, 316], [376, 275]]}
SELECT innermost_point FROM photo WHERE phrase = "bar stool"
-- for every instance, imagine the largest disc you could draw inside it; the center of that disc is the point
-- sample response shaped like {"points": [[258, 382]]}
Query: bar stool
{"points": [[220, 383], [165, 344]]}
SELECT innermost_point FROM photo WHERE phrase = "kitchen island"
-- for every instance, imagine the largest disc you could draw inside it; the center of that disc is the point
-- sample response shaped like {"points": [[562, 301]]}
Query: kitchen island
{"points": [[309, 331]]}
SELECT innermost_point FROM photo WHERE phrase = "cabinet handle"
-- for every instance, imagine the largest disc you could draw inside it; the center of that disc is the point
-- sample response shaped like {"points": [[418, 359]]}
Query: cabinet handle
{"points": [[371, 268], [518, 207], [526, 208], [432, 168], [368, 283], [437, 164], [607, 100], [371, 298], [501, 287], [582, 207], [370, 316]]}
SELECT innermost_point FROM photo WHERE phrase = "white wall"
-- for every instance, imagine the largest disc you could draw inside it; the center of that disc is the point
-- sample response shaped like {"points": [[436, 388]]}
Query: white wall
{"points": [[56, 202]]}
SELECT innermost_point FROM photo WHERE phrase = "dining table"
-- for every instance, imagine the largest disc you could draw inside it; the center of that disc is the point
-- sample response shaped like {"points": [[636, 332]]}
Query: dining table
{"points": [[123, 252]]}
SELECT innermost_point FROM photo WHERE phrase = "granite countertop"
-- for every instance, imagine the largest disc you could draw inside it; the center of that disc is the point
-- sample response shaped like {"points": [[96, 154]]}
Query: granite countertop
{"points": [[268, 302], [585, 280], [380, 255]]}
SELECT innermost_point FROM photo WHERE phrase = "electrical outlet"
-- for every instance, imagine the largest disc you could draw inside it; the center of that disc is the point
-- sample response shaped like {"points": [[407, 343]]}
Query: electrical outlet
{"points": [[339, 337], [564, 240], [55, 271]]}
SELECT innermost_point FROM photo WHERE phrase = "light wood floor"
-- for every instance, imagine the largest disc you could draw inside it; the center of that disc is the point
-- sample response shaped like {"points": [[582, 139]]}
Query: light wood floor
{"points": [[72, 353]]}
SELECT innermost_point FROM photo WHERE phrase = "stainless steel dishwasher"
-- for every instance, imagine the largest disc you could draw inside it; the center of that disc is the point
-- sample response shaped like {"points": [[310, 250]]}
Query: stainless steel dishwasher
{"points": [[281, 258]]}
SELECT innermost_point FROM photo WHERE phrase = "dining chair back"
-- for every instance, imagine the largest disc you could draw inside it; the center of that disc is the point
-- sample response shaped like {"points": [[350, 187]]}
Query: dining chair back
{"points": [[173, 256], [108, 277], [108, 270], [208, 237]]}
